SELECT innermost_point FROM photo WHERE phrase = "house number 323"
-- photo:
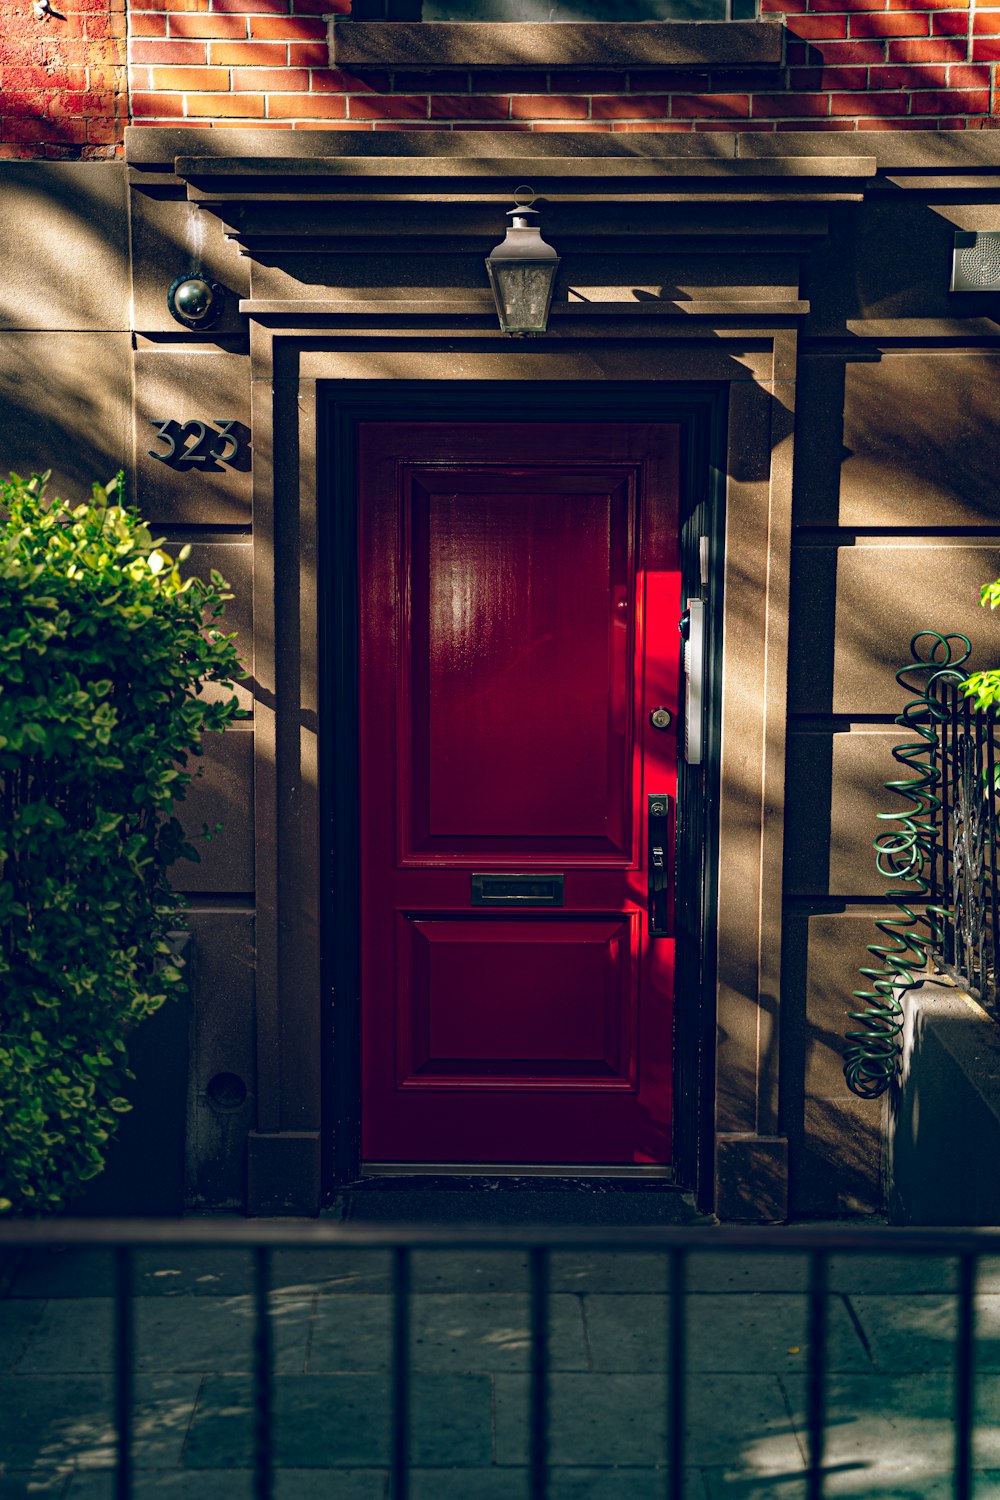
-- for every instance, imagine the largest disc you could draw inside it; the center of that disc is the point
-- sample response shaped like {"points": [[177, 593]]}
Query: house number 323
{"points": [[197, 442]]}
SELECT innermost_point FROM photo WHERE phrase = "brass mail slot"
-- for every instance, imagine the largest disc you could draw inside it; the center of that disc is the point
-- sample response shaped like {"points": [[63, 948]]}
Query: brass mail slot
{"points": [[517, 890]]}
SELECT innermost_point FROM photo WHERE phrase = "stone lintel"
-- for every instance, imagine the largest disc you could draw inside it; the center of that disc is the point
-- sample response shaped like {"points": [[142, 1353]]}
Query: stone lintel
{"points": [[153, 148], [356, 45]]}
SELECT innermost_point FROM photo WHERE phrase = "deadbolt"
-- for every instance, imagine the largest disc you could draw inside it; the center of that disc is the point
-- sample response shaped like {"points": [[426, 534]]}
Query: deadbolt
{"points": [[661, 718], [660, 857]]}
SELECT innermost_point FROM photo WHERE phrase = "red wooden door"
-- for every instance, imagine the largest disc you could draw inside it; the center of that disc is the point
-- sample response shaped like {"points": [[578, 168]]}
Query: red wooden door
{"points": [[519, 604]]}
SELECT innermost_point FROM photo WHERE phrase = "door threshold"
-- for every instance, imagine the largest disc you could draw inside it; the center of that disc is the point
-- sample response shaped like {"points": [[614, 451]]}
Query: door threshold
{"points": [[645, 1172]]}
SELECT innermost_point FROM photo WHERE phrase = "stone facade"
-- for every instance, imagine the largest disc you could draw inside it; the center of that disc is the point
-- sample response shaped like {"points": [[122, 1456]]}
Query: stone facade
{"points": [[802, 273]]}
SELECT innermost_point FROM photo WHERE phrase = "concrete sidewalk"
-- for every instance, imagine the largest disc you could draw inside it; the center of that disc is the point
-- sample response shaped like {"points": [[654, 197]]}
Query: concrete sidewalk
{"points": [[890, 1330]]}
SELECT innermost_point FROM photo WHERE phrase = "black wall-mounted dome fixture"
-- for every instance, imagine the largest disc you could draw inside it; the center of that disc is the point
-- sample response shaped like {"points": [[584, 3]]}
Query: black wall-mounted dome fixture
{"points": [[196, 301], [522, 271]]}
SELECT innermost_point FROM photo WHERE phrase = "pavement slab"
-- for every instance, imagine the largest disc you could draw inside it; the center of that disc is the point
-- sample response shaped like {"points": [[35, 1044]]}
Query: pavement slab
{"points": [[620, 1420], [892, 1275], [342, 1421], [455, 1331], [237, 1484], [479, 1271], [373, 1484], [50, 1421], [507, 1271], [788, 1271], [900, 1424], [26, 1483], [191, 1335], [621, 1484], [200, 1272], [758, 1331], [988, 1274], [859, 1481], [18, 1321], [918, 1332], [617, 1271], [564, 1484]]}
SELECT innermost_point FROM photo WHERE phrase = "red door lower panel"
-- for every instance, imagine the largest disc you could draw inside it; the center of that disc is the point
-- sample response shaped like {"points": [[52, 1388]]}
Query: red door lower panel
{"points": [[520, 593]]}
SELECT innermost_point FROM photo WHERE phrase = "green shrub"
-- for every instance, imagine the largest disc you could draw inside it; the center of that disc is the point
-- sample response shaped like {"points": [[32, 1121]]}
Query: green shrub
{"points": [[103, 654], [984, 687]]}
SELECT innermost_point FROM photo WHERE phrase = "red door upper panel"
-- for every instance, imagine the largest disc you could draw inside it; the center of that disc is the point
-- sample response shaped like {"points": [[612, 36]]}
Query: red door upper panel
{"points": [[520, 591], [509, 588]]}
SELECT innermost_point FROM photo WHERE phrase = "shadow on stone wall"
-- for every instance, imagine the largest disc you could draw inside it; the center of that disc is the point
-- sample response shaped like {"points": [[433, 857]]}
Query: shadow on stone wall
{"points": [[66, 404]]}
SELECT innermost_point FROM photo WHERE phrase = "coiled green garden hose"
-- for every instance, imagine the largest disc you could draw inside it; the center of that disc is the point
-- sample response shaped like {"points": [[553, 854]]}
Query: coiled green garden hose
{"points": [[902, 854]]}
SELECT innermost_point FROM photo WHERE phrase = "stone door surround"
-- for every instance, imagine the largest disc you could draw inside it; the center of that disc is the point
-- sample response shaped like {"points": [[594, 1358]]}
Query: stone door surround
{"points": [[681, 271]]}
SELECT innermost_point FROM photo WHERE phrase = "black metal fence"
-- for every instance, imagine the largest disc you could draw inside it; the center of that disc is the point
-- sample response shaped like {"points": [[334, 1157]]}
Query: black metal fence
{"points": [[674, 1247], [965, 916]]}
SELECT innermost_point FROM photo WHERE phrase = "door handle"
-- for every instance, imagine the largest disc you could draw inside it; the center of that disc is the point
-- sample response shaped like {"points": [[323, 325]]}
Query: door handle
{"points": [[659, 855], [692, 628]]}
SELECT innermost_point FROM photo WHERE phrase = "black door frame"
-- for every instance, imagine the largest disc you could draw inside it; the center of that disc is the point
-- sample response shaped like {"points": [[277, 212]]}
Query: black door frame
{"points": [[700, 411]]}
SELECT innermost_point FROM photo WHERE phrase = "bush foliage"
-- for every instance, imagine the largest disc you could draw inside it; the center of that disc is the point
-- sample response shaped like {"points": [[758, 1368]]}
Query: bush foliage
{"points": [[984, 687], [104, 650]]}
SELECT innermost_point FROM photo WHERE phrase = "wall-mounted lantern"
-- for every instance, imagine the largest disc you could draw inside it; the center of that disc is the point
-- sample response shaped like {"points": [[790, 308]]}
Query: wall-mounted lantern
{"points": [[522, 271], [195, 301]]}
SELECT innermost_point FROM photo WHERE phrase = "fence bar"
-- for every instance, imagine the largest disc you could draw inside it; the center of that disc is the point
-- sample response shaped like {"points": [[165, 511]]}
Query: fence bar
{"points": [[958, 863], [263, 1393], [817, 1372], [676, 1360], [124, 1367], [971, 756], [980, 727], [965, 761], [693, 1239], [965, 1335], [944, 791], [400, 1373], [956, 942], [935, 783], [972, 874], [539, 1393], [955, 805], [990, 989]]}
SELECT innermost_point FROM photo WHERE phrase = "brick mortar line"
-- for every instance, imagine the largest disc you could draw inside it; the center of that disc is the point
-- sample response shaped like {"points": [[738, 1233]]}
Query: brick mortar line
{"points": [[700, 126], [920, 86]]}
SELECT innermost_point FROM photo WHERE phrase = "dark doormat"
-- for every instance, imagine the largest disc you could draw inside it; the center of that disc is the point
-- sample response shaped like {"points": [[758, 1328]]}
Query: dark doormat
{"points": [[513, 1200]]}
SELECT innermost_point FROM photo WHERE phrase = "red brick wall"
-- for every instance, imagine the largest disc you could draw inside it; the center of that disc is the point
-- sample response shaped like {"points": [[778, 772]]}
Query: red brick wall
{"points": [[63, 84], [850, 64]]}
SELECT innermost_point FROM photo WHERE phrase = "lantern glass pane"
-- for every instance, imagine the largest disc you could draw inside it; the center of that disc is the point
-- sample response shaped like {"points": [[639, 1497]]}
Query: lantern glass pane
{"points": [[525, 288]]}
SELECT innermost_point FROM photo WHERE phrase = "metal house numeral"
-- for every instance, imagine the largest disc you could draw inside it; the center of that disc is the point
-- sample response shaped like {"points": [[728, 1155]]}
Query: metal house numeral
{"points": [[195, 442]]}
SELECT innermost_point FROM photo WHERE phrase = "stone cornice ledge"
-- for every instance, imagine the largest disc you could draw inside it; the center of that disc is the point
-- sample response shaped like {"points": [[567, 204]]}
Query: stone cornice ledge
{"points": [[760, 309], [357, 45], [218, 180]]}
